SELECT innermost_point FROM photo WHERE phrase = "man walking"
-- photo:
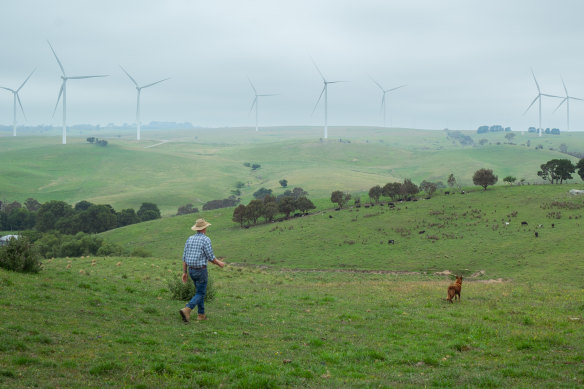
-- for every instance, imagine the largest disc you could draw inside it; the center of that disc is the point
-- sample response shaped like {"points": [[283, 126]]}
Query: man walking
{"points": [[197, 253]]}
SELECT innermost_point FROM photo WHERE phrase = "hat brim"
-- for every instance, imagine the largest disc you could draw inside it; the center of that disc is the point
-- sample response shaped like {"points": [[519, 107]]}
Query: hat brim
{"points": [[195, 228]]}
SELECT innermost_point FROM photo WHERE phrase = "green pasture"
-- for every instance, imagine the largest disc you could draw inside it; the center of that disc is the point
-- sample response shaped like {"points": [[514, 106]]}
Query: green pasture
{"points": [[173, 168]]}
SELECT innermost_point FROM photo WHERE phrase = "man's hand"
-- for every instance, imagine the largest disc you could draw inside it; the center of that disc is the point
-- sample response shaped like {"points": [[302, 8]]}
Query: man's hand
{"points": [[184, 278], [219, 263]]}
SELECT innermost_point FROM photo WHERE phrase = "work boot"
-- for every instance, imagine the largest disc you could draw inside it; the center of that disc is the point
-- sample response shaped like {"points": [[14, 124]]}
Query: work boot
{"points": [[202, 316], [186, 314]]}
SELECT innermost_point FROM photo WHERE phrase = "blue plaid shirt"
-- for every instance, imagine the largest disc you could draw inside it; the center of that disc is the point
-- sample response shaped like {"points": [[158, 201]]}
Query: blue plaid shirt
{"points": [[198, 250]]}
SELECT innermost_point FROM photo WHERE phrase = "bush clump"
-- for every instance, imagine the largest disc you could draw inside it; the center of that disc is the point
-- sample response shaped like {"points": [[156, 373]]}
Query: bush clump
{"points": [[20, 255], [185, 292]]}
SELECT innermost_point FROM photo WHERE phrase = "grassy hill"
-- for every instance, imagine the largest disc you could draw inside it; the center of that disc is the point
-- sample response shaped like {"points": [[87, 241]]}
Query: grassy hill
{"points": [[205, 164], [319, 302]]}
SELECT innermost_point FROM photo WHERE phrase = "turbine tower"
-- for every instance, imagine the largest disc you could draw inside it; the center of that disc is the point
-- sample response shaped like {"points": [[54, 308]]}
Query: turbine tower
{"points": [[63, 92], [139, 89], [325, 92], [567, 101], [538, 98], [256, 102], [17, 98], [385, 91]]}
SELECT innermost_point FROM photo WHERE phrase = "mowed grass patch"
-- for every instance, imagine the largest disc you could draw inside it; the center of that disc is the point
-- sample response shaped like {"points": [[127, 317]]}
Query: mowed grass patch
{"points": [[113, 324]]}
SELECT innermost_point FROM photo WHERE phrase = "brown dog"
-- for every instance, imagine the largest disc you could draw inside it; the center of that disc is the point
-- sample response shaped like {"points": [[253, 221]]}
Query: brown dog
{"points": [[454, 289]]}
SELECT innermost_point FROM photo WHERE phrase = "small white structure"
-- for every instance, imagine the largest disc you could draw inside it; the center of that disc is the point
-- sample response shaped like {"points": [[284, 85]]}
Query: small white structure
{"points": [[4, 239], [576, 192]]}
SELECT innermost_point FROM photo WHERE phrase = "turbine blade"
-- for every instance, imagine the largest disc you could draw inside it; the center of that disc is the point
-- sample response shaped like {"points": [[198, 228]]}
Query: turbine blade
{"points": [[382, 102], [131, 78], [11, 90], [252, 104], [575, 98], [318, 70], [274, 94], [378, 84], [566, 89], [57, 58], [533, 102], [59, 98], [318, 101], [397, 87], [534, 79], [81, 77], [26, 80], [546, 95], [154, 83], [562, 102], [20, 103], [252, 87]]}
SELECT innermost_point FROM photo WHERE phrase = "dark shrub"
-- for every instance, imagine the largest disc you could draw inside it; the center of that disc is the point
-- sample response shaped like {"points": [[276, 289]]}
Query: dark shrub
{"points": [[20, 255]]}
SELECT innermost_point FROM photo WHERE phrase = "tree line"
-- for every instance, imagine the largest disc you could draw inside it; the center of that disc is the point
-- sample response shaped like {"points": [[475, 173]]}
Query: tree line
{"points": [[267, 206], [55, 215]]}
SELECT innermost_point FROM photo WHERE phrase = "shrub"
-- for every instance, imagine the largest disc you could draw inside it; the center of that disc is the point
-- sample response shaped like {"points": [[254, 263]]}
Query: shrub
{"points": [[20, 255], [110, 249], [185, 292]]}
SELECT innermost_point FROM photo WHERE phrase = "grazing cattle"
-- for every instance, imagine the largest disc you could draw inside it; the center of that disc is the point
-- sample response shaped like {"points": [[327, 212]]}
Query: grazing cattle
{"points": [[330, 216], [391, 241], [297, 214], [536, 234], [421, 232], [524, 223], [553, 225], [391, 204], [366, 206], [447, 193]]}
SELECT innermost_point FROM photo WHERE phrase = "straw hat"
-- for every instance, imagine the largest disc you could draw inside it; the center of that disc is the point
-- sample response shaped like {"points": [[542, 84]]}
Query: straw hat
{"points": [[201, 224]]}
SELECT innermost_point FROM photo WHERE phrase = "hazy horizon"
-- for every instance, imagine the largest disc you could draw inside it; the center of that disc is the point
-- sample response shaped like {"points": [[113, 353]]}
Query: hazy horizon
{"points": [[465, 63]]}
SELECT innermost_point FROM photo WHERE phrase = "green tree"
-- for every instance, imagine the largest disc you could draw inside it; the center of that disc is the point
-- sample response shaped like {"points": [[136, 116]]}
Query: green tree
{"points": [[254, 210], [557, 170], [20, 219], [375, 193], [284, 183], [391, 189], [580, 167], [509, 136], [451, 180], [303, 204], [428, 187], [50, 212], [340, 198], [148, 211], [261, 193], [127, 216], [239, 214], [484, 178], [287, 205], [270, 210], [408, 188], [82, 205], [509, 180], [20, 255], [32, 205]]}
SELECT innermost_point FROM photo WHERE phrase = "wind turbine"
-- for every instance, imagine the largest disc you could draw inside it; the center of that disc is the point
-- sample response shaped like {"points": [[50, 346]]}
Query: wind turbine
{"points": [[139, 89], [325, 92], [17, 98], [256, 102], [63, 92], [385, 91], [567, 101], [538, 98]]}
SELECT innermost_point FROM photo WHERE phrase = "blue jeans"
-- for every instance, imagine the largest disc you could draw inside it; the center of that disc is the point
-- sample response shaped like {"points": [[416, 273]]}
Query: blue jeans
{"points": [[199, 277]]}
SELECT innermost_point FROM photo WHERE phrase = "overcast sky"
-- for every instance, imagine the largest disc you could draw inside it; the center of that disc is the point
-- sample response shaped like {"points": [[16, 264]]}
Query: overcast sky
{"points": [[466, 63]]}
